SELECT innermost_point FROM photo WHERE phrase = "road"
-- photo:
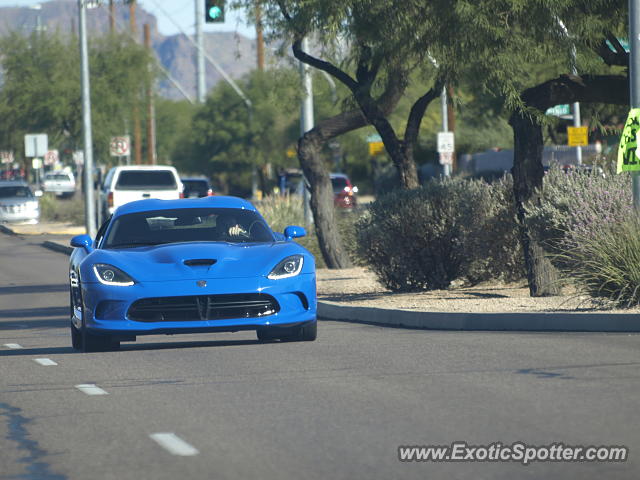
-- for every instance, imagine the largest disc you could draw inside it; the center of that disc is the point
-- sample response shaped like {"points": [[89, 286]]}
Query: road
{"points": [[223, 406]]}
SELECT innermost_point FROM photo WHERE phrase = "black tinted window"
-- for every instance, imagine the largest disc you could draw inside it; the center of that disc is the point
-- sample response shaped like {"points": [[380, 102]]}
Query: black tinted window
{"points": [[338, 184], [187, 225], [146, 180], [201, 187]]}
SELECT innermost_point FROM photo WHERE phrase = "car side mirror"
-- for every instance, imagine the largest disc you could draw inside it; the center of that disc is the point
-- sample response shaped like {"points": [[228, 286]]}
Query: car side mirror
{"points": [[82, 241], [293, 231]]}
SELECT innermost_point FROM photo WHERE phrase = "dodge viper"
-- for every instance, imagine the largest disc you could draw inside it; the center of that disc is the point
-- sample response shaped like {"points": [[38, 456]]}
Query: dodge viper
{"points": [[189, 266]]}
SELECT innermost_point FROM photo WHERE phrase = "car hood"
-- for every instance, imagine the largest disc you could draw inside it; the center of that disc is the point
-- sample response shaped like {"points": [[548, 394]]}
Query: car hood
{"points": [[167, 262], [16, 200]]}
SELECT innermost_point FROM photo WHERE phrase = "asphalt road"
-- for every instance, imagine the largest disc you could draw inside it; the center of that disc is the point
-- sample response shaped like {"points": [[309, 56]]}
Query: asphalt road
{"points": [[223, 406]]}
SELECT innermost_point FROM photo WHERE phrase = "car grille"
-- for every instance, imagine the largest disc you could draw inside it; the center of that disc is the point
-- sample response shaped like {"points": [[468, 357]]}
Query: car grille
{"points": [[203, 307], [14, 208]]}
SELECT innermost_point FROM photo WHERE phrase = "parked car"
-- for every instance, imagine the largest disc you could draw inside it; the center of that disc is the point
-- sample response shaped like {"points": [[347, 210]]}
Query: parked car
{"points": [[195, 187], [124, 184], [60, 183], [344, 192], [18, 203], [188, 266]]}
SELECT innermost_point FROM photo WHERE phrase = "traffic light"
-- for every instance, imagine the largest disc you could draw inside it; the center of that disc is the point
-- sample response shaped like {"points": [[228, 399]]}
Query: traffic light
{"points": [[214, 11]]}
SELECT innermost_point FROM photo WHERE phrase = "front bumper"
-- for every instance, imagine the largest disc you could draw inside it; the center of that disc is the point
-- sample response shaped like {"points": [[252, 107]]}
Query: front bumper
{"points": [[106, 306], [22, 215]]}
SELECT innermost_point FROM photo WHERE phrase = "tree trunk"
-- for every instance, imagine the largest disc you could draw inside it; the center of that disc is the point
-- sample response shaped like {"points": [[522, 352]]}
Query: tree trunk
{"points": [[542, 276], [527, 161]]}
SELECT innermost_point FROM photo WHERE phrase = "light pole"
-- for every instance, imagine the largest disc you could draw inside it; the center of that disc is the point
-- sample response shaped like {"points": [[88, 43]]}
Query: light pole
{"points": [[89, 206], [306, 123], [634, 80], [200, 69]]}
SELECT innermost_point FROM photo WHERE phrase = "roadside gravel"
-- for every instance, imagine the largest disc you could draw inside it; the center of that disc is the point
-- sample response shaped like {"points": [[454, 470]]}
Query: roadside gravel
{"points": [[359, 287]]}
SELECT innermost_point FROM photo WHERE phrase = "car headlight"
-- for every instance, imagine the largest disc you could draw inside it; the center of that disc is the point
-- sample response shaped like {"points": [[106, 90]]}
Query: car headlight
{"points": [[110, 275], [289, 267]]}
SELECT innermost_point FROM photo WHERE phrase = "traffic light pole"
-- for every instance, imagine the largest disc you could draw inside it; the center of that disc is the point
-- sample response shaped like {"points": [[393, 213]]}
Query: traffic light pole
{"points": [[89, 205], [200, 69]]}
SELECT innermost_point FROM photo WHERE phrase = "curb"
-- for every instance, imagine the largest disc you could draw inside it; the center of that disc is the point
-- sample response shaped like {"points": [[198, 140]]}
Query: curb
{"points": [[56, 247], [7, 230], [516, 322]]}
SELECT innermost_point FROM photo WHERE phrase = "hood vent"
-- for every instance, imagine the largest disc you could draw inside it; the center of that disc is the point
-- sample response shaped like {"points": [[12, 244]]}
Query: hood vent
{"points": [[200, 262]]}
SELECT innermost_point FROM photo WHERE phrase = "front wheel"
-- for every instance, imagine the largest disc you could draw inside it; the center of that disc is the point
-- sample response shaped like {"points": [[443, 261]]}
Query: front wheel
{"points": [[84, 341]]}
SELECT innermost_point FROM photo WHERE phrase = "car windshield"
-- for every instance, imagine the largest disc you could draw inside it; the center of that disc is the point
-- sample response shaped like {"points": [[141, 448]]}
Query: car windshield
{"points": [[197, 186], [146, 180], [338, 184], [57, 176], [15, 191], [187, 225]]}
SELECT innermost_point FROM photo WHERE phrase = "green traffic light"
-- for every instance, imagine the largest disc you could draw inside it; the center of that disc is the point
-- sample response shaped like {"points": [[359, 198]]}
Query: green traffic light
{"points": [[215, 12]]}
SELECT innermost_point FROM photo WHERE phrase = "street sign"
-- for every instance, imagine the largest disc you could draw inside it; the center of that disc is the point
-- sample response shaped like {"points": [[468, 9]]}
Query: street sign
{"points": [[374, 137], [51, 157], [36, 163], [6, 156], [35, 145], [446, 158], [375, 148], [446, 142], [628, 160], [577, 136], [562, 111], [119, 146], [78, 157]]}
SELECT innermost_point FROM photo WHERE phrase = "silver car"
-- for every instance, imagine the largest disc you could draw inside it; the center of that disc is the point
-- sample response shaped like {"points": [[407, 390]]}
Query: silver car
{"points": [[18, 203]]}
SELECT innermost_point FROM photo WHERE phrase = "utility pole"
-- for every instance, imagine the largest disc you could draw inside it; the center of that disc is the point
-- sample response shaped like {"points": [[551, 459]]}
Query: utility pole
{"points": [[306, 123], [634, 79], [451, 122], [152, 157], [200, 68], [137, 129], [259, 36], [89, 205], [112, 17]]}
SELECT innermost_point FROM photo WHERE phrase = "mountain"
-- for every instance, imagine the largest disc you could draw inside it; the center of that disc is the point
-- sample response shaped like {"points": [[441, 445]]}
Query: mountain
{"points": [[235, 53]]}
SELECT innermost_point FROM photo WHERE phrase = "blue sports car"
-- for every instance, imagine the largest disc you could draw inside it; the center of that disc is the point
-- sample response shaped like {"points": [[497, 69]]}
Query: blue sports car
{"points": [[207, 264]]}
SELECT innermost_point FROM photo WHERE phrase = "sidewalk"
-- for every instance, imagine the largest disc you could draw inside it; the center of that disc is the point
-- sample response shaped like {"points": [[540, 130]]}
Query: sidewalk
{"points": [[355, 295]]}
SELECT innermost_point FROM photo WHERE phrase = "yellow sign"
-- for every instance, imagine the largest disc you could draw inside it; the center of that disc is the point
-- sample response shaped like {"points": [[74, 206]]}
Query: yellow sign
{"points": [[291, 153], [577, 136], [375, 148], [628, 160]]}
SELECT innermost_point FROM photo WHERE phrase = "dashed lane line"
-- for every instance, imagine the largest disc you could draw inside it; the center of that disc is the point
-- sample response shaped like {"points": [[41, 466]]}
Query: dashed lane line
{"points": [[174, 444], [91, 389], [45, 362], [13, 346]]}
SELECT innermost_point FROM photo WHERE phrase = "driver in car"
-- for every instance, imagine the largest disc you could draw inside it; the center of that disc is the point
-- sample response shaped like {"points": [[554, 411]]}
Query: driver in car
{"points": [[229, 228]]}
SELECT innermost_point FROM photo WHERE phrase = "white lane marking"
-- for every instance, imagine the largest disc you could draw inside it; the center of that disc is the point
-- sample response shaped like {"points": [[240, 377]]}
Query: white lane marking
{"points": [[13, 345], [44, 361], [91, 389], [174, 444]]}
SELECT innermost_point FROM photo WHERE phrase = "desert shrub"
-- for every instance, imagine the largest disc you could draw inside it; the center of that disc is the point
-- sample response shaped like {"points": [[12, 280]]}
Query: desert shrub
{"points": [[447, 229], [282, 211], [605, 260], [53, 209], [575, 204]]}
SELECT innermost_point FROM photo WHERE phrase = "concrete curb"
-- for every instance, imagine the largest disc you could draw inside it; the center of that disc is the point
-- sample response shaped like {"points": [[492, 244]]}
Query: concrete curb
{"points": [[7, 230], [56, 247], [518, 322]]}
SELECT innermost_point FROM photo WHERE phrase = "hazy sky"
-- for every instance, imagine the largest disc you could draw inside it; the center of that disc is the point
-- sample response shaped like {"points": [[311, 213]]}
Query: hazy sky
{"points": [[181, 11]]}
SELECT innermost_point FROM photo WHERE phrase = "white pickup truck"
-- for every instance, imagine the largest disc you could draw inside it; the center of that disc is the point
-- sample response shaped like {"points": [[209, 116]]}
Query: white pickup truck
{"points": [[126, 184], [60, 183]]}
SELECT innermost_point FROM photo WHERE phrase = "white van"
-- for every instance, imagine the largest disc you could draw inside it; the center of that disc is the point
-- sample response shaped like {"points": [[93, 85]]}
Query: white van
{"points": [[125, 184]]}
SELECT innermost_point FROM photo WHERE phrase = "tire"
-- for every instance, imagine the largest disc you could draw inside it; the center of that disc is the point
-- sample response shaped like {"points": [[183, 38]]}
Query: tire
{"points": [[305, 333]]}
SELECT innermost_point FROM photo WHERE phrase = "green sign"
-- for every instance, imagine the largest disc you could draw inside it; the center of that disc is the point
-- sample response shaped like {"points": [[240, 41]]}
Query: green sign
{"points": [[628, 160], [559, 111]]}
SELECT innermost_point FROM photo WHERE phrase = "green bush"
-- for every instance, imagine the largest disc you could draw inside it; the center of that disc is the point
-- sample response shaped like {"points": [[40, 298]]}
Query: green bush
{"points": [[53, 209], [446, 230]]}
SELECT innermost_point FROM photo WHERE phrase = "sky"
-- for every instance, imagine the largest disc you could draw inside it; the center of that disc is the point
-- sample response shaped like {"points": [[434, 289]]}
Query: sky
{"points": [[181, 11]]}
